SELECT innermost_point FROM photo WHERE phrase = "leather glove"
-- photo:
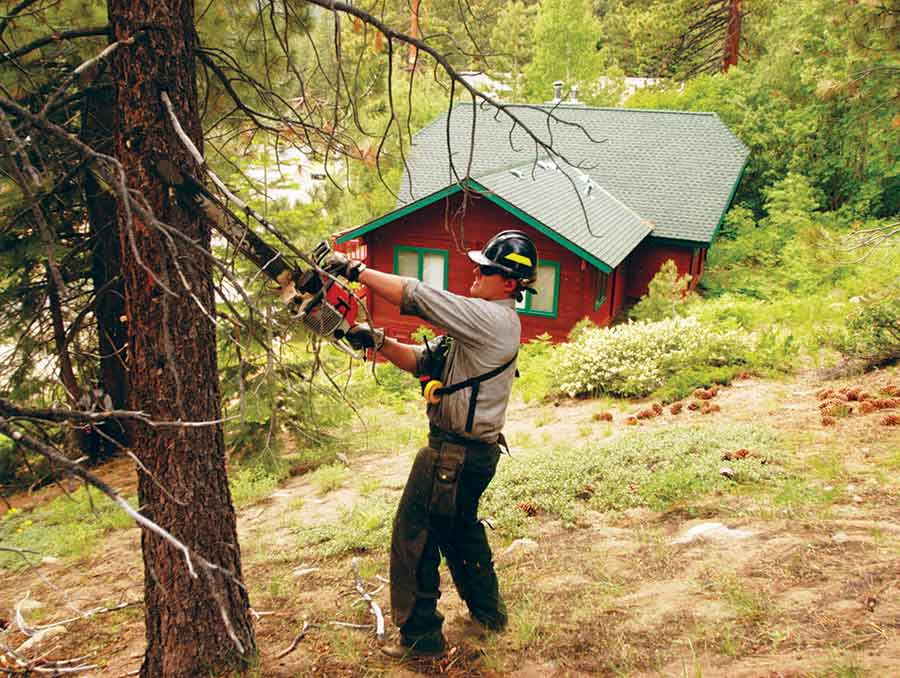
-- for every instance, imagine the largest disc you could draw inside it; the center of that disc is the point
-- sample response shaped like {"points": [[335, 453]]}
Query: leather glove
{"points": [[338, 263], [362, 335]]}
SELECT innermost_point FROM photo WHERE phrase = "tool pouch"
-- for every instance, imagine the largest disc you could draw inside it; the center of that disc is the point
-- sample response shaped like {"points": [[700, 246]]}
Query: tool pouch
{"points": [[445, 485]]}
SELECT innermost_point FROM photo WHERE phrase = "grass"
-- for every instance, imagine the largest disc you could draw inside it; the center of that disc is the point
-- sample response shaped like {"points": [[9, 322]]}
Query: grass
{"points": [[657, 469], [329, 478], [366, 528], [68, 527]]}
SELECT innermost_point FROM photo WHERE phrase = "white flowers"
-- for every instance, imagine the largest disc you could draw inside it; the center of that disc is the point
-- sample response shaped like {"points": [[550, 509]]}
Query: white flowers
{"points": [[634, 359]]}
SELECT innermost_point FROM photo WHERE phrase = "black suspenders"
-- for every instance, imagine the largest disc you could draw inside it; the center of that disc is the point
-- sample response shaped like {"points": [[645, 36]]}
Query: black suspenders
{"points": [[475, 383]]}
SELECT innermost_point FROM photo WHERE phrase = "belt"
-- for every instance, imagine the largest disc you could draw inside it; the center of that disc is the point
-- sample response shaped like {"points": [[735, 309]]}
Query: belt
{"points": [[437, 435]]}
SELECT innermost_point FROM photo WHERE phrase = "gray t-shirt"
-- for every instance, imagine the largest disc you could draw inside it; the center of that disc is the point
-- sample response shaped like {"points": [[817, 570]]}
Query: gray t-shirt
{"points": [[486, 335]]}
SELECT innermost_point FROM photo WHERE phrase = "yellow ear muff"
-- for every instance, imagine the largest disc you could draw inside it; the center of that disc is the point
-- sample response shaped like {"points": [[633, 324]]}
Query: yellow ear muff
{"points": [[430, 388]]}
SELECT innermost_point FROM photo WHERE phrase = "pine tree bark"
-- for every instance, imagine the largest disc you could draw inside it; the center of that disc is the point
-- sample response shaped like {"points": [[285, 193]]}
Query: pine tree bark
{"points": [[97, 126], [172, 358]]}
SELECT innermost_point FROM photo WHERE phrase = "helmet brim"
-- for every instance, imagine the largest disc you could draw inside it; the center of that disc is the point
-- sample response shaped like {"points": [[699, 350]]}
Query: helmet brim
{"points": [[479, 258]]}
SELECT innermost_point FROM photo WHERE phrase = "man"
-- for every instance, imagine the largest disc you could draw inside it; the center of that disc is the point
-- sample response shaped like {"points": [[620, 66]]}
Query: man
{"points": [[438, 510]]}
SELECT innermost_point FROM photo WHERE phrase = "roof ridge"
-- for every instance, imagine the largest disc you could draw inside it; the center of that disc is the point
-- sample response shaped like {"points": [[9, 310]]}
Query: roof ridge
{"points": [[567, 106]]}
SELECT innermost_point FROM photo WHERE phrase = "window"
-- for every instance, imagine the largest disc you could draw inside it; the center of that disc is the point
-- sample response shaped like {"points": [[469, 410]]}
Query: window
{"points": [[600, 290], [547, 286], [427, 265]]}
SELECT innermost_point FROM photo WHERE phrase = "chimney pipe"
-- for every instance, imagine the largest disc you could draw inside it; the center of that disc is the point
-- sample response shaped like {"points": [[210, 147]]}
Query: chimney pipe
{"points": [[573, 98], [557, 91]]}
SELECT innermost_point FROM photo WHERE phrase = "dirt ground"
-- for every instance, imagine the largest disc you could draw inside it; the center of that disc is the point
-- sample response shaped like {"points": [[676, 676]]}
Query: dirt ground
{"points": [[773, 592]]}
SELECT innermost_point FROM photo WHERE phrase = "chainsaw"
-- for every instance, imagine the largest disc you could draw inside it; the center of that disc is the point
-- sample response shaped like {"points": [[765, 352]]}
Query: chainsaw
{"points": [[321, 302]]}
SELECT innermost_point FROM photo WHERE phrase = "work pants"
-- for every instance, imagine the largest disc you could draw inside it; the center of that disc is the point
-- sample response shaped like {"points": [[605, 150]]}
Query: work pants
{"points": [[420, 537]]}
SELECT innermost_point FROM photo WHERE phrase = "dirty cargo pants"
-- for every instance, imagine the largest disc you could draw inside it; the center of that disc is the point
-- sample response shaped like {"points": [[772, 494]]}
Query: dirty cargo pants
{"points": [[421, 535]]}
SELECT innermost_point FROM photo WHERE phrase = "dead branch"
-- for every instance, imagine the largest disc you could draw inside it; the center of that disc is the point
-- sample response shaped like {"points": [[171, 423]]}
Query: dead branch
{"points": [[296, 641], [373, 606]]}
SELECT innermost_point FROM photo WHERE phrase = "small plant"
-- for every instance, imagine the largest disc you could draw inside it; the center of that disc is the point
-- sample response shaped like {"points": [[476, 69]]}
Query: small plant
{"points": [[328, 478], [422, 334], [667, 294]]}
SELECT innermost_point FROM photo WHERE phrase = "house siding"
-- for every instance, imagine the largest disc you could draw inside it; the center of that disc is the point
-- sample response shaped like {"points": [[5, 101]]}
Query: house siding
{"points": [[646, 259], [439, 226]]}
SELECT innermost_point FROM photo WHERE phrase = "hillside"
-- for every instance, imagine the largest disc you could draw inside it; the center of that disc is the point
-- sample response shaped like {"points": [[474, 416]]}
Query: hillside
{"points": [[800, 579]]}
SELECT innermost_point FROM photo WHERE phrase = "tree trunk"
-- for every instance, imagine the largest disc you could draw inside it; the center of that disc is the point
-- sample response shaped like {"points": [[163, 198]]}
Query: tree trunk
{"points": [[732, 36], [172, 358], [97, 125]]}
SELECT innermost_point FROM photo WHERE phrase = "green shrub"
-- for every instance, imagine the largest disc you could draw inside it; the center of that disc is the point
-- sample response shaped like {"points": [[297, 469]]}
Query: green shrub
{"points": [[535, 379], [328, 478], [634, 359], [251, 483], [872, 334], [666, 295], [682, 383], [422, 334]]}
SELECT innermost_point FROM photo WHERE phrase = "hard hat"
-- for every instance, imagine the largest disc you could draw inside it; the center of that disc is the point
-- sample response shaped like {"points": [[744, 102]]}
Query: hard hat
{"points": [[513, 254]]}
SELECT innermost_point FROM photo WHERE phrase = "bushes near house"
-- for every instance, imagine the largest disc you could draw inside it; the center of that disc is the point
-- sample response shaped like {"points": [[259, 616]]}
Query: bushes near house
{"points": [[637, 358]]}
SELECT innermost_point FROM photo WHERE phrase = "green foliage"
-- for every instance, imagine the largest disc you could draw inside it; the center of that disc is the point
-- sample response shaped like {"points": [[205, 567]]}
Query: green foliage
{"points": [[511, 41], [565, 37], [666, 295], [634, 359], [252, 482], [685, 381], [534, 381], [655, 469], [365, 528], [328, 478], [67, 527], [872, 333], [422, 334]]}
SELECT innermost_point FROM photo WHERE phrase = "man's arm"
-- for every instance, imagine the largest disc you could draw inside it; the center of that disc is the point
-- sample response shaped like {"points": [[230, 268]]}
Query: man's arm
{"points": [[402, 355], [386, 285]]}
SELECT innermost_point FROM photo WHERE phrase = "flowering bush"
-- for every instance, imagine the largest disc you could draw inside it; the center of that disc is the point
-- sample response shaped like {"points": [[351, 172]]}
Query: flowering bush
{"points": [[634, 359]]}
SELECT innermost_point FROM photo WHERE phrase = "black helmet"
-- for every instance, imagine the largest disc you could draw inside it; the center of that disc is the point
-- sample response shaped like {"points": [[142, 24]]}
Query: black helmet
{"points": [[513, 254]]}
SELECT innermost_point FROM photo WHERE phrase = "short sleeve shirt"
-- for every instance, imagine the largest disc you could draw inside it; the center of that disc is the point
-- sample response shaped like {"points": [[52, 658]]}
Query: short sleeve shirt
{"points": [[486, 335]]}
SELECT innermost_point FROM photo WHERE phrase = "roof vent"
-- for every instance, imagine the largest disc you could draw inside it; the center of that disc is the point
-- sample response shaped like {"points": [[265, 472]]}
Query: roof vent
{"points": [[557, 91], [573, 95]]}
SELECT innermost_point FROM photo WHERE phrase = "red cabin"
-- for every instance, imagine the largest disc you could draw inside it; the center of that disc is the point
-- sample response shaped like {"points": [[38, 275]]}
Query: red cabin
{"points": [[619, 193]]}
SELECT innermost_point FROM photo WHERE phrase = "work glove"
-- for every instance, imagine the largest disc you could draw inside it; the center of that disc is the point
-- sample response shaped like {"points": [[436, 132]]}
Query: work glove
{"points": [[362, 335], [338, 263]]}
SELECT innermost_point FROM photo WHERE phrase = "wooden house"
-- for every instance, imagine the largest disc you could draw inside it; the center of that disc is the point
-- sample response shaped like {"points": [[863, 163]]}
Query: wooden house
{"points": [[624, 191]]}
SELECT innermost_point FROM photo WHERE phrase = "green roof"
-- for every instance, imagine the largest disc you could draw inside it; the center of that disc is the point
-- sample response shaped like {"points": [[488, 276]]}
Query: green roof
{"points": [[618, 176]]}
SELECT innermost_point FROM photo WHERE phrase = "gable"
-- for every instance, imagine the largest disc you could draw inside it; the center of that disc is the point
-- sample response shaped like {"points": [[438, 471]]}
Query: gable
{"points": [[603, 232]]}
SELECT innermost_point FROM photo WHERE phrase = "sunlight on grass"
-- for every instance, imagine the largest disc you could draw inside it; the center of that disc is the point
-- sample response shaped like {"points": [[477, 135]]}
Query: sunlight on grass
{"points": [[328, 478], [67, 527], [655, 469]]}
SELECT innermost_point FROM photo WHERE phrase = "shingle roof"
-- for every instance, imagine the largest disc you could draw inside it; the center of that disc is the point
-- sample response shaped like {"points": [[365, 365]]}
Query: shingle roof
{"points": [[572, 204], [670, 171], [675, 168]]}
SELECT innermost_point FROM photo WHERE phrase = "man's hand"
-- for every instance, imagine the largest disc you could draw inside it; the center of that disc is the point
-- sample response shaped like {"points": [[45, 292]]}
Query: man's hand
{"points": [[338, 263], [362, 336]]}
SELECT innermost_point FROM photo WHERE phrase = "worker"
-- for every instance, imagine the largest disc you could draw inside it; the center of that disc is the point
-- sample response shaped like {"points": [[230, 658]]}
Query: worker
{"points": [[475, 363]]}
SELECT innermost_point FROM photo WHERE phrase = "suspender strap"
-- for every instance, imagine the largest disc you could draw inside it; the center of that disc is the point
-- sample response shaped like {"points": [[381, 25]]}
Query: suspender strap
{"points": [[475, 383]]}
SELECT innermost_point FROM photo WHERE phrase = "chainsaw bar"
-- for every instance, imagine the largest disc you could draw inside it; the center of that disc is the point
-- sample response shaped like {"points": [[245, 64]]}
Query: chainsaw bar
{"points": [[321, 302]]}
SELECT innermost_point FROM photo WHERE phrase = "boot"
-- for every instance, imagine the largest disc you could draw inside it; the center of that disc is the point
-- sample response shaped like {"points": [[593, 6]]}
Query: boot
{"points": [[402, 651]]}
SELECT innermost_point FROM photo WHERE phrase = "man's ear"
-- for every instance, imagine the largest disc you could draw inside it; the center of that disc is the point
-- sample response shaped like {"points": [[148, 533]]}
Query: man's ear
{"points": [[510, 286]]}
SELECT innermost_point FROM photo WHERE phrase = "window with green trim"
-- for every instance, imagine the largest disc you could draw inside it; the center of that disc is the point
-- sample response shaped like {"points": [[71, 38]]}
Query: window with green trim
{"points": [[546, 301], [600, 290], [425, 264]]}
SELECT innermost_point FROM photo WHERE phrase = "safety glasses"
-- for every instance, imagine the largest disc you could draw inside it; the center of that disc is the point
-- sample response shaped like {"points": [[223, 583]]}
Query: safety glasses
{"points": [[489, 270]]}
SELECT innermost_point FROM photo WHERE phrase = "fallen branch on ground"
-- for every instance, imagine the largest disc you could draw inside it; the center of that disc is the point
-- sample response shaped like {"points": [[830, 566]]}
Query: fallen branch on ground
{"points": [[373, 606]]}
